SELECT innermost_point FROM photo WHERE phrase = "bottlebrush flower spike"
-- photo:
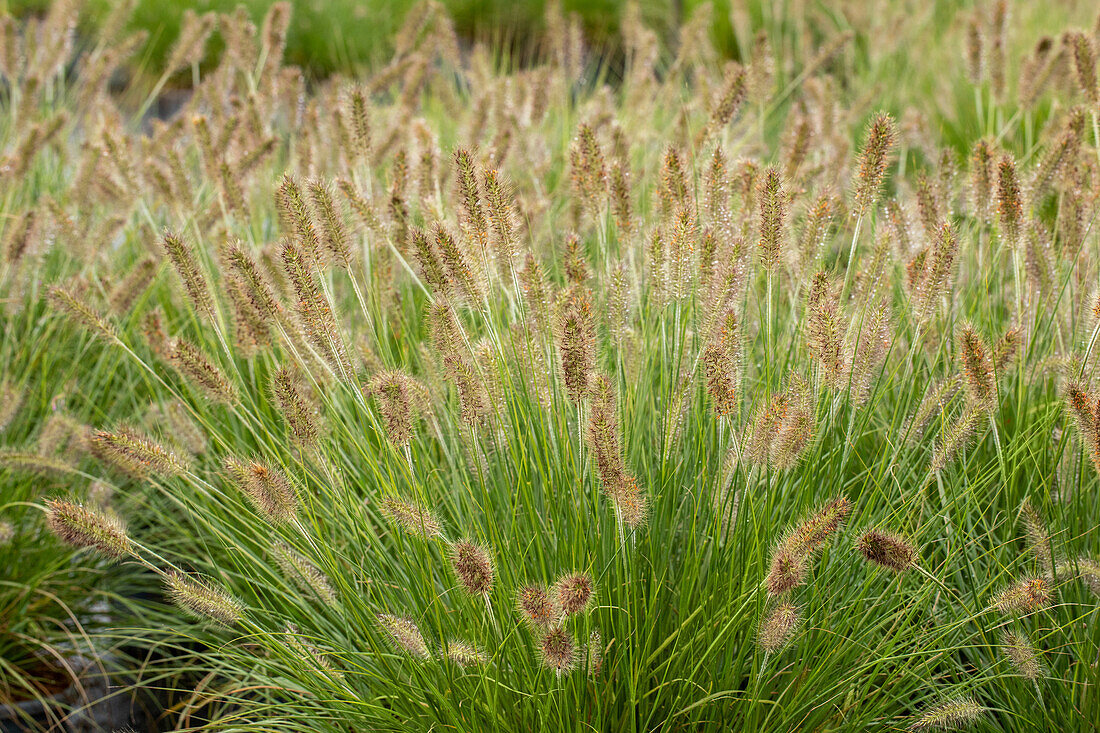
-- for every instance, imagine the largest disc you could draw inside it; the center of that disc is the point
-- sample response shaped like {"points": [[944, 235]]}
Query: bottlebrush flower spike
{"points": [[300, 416], [778, 628], [536, 606], [82, 526], [267, 488], [773, 217], [189, 360], [1021, 654], [135, 454], [401, 400], [575, 329], [557, 649], [873, 160], [887, 550], [976, 366], [473, 567], [404, 634], [953, 714], [464, 654], [413, 519], [304, 574], [573, 593], [203, 599], [1024, 597], [190, 273], [1010, 207]]}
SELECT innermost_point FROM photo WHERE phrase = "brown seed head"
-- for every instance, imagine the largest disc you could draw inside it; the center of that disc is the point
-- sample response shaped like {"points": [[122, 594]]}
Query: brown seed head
{"points": [[887, 550], [788, 571], [536, 606], [1084, 63], [81, 526], [773, 216], [573, 593], [976, 366], [981, 178], [190, 361], [267, 488], [135, 454], [300, 416], [557, 649], [815, 531], [190, 273], [1010, 208], [473, 566], [1024, 597], [873, 160], [778, 628]]}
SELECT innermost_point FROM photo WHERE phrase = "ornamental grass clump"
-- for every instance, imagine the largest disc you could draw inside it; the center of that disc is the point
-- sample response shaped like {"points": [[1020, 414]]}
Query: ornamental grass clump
{"points": [[568, 390]]}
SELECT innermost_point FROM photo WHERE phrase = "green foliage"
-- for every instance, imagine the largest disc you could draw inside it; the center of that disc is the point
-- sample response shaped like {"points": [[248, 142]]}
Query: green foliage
{"points": [[422, 355]]}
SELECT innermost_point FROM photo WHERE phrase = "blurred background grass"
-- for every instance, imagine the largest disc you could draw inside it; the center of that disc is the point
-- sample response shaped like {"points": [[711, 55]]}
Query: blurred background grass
{"points": [[338, 35]]}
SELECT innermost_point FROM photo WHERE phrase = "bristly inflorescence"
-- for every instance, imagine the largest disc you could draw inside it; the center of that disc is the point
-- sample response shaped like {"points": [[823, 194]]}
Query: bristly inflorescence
{"points": [[83, 526]]}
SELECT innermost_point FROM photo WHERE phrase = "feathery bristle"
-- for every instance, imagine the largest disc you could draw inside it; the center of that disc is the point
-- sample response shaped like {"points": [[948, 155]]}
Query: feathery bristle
{"points": [[1020, 652], [401, 400], [976, 366], [464, 654], [333, 229], [136, 454], [266, 487], [413, 519], [195, 366], [498, 199], [1084, 63], [536, 606], [788, 571], [304, 574], [200, 597], [778, 628], [721, 365], [1024, 597], [469, 193], [812, 534], [974, 51], [873, 160], [981, 179], [296, 216], [81, 313], [190, 273], [957, 434], [82, 526], [576, 336], [573, 593], [887, 550], [1010, 208], [773, 215], [950, 715], [300, 417], [404, 634], [557, 649], [825, 328], [1038, 539], [473, 566], [594, 653]]}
